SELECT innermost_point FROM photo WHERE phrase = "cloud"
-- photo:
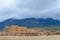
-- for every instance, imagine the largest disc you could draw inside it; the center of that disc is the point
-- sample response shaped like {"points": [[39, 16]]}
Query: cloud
{"points": [[21, 9], [37, 4]]}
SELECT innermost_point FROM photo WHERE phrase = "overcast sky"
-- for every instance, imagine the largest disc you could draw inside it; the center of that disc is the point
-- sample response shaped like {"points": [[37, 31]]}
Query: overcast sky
{"points": [[21, 9]]}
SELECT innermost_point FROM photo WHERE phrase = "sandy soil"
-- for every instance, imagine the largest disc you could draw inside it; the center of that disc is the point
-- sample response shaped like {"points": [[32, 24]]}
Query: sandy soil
{"points": [[54, 37]]}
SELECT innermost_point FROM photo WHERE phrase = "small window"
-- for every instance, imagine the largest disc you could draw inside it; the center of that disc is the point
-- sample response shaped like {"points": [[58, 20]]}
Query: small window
{"points": [[1, 34], [14, 34]]}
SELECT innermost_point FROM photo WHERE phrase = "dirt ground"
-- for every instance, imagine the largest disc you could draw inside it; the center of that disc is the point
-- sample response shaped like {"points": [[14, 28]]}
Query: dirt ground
{"points": [[51, 37]]}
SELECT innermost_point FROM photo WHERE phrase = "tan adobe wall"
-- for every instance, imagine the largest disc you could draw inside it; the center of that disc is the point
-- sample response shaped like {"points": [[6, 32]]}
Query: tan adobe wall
{"points": [[23, 31]]}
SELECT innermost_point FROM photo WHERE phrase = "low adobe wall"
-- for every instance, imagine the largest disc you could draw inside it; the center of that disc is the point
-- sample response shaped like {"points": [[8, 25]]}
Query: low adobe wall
{"points": [[23, 31]]}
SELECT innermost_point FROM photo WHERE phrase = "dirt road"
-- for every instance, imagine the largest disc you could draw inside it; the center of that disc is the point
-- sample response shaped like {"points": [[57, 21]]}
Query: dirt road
{"points": [[54, 37]]}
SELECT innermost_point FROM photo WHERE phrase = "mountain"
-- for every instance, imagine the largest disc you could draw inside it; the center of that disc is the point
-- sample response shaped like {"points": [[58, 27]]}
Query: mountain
{"points": [[30, 22]]}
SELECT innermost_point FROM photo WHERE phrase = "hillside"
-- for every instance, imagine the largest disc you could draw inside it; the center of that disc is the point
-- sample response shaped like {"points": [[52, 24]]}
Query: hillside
{"points": [[31, 22]]}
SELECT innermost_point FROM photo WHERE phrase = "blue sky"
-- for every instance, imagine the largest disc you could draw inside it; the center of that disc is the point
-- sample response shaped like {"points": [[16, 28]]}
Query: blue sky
{"points": [[21, 9]]}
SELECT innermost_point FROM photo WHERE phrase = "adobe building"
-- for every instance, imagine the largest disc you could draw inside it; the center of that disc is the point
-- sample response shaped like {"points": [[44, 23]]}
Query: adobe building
{"points": [[58, 32], [23, 31]]}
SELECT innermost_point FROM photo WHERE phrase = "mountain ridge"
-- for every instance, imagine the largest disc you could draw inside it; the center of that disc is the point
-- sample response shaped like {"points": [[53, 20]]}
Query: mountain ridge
{"points": [[30, 22]]}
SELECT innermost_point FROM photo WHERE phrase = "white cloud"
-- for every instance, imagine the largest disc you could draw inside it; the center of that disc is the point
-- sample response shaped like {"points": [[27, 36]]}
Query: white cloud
{"points": [[29, 8]]}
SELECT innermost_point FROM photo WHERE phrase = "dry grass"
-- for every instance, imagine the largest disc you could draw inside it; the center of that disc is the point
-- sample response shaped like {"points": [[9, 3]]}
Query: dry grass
{"points": [[52, 37]]}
